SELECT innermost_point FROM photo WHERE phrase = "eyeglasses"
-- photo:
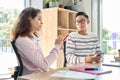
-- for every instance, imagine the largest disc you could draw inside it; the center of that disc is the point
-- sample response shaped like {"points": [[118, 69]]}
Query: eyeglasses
{"points": [[82, 21]]}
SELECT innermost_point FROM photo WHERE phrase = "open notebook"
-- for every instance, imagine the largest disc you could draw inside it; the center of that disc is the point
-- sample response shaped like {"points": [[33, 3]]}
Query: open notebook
{"points": [[97, 72], [73, 75]]}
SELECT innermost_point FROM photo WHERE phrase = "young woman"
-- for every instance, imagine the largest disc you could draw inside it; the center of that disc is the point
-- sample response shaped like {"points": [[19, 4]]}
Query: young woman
{"points": [[81, 46], [25, 34]]}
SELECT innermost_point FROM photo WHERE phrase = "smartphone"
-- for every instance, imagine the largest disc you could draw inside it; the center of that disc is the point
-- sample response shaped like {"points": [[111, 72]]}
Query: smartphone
{"points": [[99, 53]]}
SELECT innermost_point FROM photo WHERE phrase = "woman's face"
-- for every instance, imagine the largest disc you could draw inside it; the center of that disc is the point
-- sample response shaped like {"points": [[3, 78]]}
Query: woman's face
{"points": [[81, 22], [36, 23]]}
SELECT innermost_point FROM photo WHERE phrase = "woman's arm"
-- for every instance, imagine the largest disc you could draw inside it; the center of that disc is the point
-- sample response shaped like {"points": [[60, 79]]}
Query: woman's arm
{"points": [[34, 54]]}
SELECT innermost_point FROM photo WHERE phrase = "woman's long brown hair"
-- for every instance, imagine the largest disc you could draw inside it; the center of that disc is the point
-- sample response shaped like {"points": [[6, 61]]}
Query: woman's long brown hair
{"points": [[22, 26]]}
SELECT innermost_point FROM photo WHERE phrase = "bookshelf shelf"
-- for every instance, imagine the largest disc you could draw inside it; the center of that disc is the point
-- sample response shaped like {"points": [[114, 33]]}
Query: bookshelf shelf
{"points": [[56, 21]]}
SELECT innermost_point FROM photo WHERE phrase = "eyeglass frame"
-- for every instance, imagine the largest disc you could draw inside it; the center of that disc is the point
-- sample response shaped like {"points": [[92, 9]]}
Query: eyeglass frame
{"points": [[82, 21]]}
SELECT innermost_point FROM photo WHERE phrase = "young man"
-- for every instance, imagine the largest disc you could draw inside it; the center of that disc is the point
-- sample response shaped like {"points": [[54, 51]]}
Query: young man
{"points": [[82, 46]]}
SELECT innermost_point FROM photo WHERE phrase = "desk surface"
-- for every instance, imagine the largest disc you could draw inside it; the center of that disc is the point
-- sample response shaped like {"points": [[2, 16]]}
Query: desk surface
{"points": [[46, 75]]}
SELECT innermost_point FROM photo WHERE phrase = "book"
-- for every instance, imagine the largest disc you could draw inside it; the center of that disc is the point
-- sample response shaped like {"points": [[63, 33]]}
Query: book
{"points": [[96, 72], [73, 75], [112, 63], [5, 76]]}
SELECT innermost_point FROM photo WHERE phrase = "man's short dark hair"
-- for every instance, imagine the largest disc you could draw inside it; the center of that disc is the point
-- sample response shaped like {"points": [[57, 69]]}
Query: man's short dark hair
{"points": [[83, 14]]}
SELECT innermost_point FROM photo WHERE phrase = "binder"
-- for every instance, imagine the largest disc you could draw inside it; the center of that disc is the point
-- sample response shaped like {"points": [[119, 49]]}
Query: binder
{"points": [[96, 72]]}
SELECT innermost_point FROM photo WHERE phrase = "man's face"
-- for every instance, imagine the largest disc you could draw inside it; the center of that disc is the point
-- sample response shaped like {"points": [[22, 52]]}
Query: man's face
{"points": [[81, 22]]}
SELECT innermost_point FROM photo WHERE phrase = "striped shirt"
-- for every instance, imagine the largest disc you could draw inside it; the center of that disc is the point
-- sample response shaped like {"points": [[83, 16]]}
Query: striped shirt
{"points": [[78, 46]]}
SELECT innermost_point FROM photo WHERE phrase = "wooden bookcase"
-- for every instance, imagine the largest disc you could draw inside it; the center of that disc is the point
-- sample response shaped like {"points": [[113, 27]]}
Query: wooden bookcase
{"points": [[56, 21]]}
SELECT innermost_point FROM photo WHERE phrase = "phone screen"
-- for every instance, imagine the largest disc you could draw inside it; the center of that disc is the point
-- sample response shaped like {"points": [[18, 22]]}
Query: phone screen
{"points": [[99, 53]]}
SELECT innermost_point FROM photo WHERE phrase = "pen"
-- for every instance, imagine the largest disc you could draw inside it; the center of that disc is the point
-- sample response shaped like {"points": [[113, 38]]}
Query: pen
{"points": [[95, 68]]}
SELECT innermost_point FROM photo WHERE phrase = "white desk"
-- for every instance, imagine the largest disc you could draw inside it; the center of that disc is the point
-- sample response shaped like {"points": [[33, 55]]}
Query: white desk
{"points": [[46, 75]]}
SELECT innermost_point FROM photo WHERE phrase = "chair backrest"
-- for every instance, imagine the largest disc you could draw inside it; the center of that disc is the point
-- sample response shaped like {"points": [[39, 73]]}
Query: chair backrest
{"points": [[19, 69], [64, 51]]}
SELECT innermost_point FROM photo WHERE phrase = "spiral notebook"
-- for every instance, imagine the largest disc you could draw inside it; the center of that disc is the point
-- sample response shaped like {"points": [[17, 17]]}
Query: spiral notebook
{"points": [[96, 72]]}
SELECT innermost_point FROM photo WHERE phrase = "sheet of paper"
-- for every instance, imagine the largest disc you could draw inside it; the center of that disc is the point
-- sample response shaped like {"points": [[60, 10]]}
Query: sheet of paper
{"points": [[73, 74]]}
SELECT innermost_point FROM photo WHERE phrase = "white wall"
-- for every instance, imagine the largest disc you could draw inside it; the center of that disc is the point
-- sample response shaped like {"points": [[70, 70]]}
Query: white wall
{"points": [[88, 10], [37, 4]]}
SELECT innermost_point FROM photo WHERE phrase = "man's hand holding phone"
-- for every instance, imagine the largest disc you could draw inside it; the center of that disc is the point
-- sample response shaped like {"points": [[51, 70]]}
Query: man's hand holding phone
{"points": [[98, 57]]}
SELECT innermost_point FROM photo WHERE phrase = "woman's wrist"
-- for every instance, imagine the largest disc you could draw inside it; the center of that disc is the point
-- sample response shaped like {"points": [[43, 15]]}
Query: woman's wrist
{"points": [[59, 46]]}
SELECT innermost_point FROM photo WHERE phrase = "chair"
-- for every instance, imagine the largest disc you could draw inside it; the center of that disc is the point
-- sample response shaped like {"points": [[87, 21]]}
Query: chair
{"points": [[64, 52], [18, 69]]}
